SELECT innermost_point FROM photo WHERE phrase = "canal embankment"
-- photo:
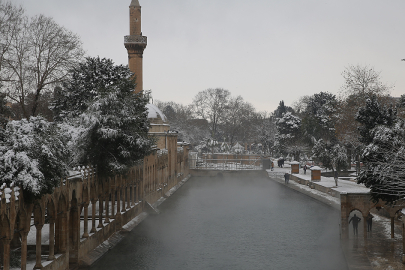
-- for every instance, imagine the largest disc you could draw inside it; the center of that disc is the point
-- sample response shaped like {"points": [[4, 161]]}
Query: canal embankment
{"points": [[118, 236], [378, 251]]}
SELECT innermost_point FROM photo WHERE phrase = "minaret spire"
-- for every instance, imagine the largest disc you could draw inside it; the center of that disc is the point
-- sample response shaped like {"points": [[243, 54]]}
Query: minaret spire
{"points": [[135, 43], [134, 3]]}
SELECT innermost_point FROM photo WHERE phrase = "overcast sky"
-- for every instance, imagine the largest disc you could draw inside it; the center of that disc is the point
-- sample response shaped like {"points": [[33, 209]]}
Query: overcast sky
{"points": [[263, 50]]}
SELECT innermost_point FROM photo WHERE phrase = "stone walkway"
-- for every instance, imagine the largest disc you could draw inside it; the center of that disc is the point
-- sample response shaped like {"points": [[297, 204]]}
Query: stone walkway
{"points": [[378, 251]]}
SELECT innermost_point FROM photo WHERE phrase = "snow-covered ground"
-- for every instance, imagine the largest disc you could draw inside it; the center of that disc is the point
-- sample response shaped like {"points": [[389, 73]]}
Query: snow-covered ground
{"points": [[347, 186]]}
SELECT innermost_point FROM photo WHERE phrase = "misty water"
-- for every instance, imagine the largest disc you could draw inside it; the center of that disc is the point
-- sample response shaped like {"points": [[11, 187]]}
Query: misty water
{"points": [[233, 223]]}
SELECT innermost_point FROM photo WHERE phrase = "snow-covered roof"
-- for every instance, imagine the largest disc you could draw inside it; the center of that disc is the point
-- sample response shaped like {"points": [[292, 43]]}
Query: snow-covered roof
{"points": [[294, 162], [154, 112], [316, 168]]}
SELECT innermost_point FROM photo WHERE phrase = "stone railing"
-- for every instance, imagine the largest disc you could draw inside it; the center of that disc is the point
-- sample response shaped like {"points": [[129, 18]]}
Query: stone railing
{"points": [[82, 212], [136, 39]]}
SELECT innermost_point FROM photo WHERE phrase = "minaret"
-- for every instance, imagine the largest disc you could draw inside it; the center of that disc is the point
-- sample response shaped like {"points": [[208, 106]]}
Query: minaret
{"points": [[135, 43]]}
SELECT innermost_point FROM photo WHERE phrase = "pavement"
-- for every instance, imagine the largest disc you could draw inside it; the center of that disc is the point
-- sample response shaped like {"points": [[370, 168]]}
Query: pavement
{"points": [[378, 251]]}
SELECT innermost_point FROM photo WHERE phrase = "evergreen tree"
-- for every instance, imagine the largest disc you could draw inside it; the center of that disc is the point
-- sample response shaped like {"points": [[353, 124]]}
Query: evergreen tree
{"points": [[282, 109], [372, 115], [33, 154], [332, 155], [384, 155], [288, 134], [319, 117], [110, 120]]}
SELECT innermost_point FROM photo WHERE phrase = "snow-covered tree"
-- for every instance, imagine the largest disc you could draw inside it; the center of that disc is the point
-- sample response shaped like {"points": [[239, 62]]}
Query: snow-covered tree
{"points": [[384, 163], [372, 115], [86, 83], [100, 102], [384, 153], [332, 155], [319, 117], [359, 83], [266, 131], [282, 109], [288, 134], [33, 154]]}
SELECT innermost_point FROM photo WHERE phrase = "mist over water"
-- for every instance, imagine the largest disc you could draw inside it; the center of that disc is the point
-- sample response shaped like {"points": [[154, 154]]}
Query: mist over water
{"points": [[233, 223]]}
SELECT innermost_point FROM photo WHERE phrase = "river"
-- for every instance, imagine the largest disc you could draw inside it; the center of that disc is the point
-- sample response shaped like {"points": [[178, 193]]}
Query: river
{"points": [[233, 223]]}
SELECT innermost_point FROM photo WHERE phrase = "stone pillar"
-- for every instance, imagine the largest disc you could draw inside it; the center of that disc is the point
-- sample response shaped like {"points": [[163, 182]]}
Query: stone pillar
{"points": [[100, 213], [133, 195], [295, 167], [107, 206], [118, 200], [344, 216], [93, 216], [365, 226], [38, 263], [316, 173], [63, 231], [86, 220], [23, 250], [123, 200], [51, 239], [128, 196], [113, 204], [403, 241], [392, 227], [6, 254]]}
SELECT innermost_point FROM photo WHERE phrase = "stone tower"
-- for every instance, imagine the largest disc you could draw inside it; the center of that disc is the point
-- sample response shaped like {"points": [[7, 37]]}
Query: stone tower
{"points": [[135, 43]]}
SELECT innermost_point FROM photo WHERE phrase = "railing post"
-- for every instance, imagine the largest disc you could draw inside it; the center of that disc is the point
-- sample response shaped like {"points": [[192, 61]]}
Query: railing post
{"points": [[51, 239], [107, 206], [24, 235], [6, 254], [38, 263], [86, 218], [100, 213], [93, 216]]}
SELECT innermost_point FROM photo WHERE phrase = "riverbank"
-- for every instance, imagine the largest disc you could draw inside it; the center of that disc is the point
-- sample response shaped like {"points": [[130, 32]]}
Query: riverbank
{"points": [[378, 251]]}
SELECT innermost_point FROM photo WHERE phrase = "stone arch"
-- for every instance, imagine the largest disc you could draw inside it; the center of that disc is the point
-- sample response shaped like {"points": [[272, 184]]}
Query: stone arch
{"points": [[356, 218]]}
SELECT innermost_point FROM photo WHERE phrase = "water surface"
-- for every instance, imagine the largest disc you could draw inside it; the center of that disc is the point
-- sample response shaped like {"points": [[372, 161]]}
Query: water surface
{"points": [[233, 223]]}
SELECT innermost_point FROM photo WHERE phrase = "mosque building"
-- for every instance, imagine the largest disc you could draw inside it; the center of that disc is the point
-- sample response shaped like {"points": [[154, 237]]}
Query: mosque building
{"points": [[135, 43]]}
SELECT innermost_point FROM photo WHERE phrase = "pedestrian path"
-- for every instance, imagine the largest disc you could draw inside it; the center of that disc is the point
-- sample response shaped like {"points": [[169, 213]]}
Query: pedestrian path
{"points": [[378, 251]]}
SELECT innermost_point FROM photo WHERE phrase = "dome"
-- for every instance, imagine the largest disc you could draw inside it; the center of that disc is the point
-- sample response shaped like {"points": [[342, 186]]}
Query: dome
{"points": [[155, 113]]}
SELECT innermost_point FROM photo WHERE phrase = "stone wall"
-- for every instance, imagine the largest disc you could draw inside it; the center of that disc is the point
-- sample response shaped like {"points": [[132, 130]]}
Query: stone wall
{"points": [[84, 211]]}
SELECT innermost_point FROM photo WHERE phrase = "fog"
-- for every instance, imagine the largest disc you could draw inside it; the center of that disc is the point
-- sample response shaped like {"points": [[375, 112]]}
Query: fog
{"points": [[233, 222]]}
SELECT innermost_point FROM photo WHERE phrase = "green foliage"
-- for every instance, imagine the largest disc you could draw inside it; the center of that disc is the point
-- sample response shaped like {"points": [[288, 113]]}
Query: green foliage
{"points": [[319, 117], [33, 155], [332, 155], [384, 154], [282, 109], [372, 115], [110, 120]]}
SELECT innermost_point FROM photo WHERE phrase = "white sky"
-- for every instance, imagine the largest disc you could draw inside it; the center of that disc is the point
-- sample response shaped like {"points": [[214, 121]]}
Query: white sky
{"points": [[263, 50]]}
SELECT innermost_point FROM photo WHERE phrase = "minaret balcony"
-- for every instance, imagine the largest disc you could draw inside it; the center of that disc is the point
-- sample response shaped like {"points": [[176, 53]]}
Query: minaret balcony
{"points": [[135, 40]]}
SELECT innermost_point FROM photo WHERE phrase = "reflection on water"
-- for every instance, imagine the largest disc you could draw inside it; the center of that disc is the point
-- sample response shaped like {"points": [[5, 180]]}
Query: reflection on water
{"points": [[233, 223]]}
